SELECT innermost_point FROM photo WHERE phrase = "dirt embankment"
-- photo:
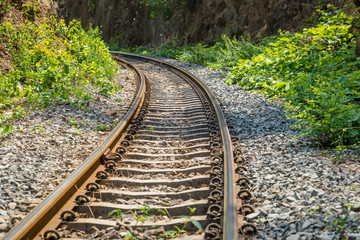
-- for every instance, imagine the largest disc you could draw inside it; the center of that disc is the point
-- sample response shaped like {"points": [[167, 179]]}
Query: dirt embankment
{"points": [[18, 12], [129, 23]]}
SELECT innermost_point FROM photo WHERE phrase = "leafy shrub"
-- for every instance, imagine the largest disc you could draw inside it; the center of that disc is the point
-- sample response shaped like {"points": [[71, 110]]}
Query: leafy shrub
{"points": [[169, 50], [163, 8], [54, 63], [224, 54], [199, 54], [317, 72], [228, 51]]}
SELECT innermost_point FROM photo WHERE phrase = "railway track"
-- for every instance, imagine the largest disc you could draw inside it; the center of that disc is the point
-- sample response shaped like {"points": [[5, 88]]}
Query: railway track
{"points": [[168, 169]]}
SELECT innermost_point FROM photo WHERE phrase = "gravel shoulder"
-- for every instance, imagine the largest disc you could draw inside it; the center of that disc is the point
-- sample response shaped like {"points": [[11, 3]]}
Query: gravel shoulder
{"points": [[301, 193], [50, 143]]}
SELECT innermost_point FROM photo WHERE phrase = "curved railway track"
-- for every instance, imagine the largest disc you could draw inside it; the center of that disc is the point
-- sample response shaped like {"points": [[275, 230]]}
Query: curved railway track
{"points": [[171, 155]]}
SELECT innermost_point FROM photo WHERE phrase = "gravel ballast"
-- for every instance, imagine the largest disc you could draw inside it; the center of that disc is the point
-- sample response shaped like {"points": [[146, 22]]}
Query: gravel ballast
{"points": [[300, 192], [50, 143]]}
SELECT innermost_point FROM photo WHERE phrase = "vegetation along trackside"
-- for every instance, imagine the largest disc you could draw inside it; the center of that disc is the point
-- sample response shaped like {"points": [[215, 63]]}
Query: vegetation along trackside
{"points": [[51, 63], [314, 70]]}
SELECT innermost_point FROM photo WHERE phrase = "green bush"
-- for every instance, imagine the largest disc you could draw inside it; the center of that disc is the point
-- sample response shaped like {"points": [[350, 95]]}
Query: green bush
{"points": [[314, 70], [169, 50], [163, 8], [199, 54], [54, 63], [223, 55], [227, 52], [317, 72]]}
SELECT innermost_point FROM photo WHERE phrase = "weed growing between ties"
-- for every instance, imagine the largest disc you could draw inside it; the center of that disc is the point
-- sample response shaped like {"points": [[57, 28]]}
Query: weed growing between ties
{"points": [[314, 70], [147, 213], [53, 63]]}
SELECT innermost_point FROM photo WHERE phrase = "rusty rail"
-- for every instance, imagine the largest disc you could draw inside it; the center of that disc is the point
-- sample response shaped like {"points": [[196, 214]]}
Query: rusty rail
{"points": [[230, 218]]}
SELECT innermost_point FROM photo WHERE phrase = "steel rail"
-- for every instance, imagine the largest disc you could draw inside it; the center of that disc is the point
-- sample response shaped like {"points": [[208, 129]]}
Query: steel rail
{"points": [[36, 220], [230, 219]]}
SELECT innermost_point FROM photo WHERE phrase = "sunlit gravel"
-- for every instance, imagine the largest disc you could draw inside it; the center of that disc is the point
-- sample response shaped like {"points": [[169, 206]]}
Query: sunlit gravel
{"points": [[300, 193]]}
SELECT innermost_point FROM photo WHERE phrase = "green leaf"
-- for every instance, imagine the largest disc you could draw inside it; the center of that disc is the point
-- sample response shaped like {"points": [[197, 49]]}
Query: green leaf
{"points": [[192, 210], [186, 217], [280, 85], [287, 88], [344, 220], [67, 69], [6, 129], [111, 213], [117, 213], [197, 224]]}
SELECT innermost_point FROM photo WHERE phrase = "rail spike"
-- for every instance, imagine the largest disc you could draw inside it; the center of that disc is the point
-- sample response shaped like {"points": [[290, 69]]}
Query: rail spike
{"points": [[51, 235]]}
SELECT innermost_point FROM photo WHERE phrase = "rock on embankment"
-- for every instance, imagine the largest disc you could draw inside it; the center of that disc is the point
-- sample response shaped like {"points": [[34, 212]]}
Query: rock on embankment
{"points": [[129, 23]]}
